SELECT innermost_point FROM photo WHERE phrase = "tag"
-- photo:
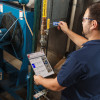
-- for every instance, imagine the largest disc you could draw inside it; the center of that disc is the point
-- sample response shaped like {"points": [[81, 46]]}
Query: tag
{"points": [[21, 15], [55, 23], [1, 8]]}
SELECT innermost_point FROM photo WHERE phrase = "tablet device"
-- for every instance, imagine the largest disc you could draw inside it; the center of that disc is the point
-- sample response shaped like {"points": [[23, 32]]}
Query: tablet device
{"points": [[40, 64]]}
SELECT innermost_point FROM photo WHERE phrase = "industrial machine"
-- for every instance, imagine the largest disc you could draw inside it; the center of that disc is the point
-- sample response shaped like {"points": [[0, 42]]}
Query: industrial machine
{"points": [[17, 26], [16, 39], [20, 1]]}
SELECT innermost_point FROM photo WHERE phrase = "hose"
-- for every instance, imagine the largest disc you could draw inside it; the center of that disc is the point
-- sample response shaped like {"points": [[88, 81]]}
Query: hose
{"points": [[26, 20]]}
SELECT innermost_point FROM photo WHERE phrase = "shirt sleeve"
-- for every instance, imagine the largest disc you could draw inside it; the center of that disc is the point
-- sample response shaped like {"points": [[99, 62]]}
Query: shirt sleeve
{"points": [[71, 72]]}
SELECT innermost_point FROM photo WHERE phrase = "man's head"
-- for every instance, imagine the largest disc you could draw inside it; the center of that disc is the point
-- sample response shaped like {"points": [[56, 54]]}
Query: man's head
{"points": [[91, 19], [94, 10]]}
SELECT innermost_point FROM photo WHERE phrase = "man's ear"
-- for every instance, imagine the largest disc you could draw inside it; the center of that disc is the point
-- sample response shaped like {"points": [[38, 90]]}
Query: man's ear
{"points": [[94, 25]]}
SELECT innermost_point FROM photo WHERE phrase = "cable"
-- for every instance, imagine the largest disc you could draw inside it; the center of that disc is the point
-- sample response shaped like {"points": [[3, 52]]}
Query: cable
{"points": [[26, 20]]}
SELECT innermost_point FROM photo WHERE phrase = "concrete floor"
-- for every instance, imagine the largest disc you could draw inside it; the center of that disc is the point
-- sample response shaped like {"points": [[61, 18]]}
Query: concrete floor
{"points": [[23, 92]]}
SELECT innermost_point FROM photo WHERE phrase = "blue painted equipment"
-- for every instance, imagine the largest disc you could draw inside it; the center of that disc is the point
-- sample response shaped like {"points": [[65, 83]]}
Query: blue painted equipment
{"points": [[17, 29], [2, 32], [16, 39], [20, 1], [23, 1]]}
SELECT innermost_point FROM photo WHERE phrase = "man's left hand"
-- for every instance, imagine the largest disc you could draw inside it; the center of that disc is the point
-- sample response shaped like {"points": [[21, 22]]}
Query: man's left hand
{"points": [[37, 79]]}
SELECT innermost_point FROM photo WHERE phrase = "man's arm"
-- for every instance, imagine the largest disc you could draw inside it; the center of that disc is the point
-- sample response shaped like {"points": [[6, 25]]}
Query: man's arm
{"points": [[51, 84], [77, 39]]}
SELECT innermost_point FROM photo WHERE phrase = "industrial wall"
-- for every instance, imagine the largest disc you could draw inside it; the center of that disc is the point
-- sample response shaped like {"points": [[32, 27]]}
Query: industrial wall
{"points": [[57, 39]]}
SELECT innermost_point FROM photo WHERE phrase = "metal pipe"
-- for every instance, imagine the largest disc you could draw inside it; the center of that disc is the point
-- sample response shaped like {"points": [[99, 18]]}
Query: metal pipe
{"points": [[43, 39], [71, 22]]}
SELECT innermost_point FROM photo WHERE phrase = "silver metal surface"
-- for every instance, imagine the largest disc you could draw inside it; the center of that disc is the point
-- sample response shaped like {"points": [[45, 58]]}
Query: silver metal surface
{"points": [[57, 10]]}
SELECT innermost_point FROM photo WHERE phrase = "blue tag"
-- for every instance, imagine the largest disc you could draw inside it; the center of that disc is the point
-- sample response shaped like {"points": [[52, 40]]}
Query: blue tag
{"points": [[33, 66], [55, 23]]}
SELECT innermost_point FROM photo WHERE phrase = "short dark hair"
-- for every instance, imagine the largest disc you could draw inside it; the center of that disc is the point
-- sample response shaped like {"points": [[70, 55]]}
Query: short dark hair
{"points": [[94, 10]]}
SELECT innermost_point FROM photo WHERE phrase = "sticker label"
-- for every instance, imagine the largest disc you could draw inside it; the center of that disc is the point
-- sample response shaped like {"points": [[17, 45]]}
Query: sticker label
{"points": [[21, 15], [1, 8], [55, 23]]}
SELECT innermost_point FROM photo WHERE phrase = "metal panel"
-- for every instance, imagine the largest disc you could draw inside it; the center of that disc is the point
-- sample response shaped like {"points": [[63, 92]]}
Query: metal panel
{"points": [[57, 10], [60, 9]]}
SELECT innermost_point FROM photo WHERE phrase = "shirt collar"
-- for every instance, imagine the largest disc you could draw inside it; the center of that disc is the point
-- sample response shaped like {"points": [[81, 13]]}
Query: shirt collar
{"points": [[92, 42]]}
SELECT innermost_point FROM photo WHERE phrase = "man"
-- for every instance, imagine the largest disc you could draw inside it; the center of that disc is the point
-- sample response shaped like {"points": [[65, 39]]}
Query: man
{"points": [[79, 77]]}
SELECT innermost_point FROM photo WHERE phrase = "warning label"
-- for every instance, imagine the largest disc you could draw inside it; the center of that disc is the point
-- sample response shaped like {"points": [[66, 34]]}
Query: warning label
{"points": [[21, 15], [1, 8]]}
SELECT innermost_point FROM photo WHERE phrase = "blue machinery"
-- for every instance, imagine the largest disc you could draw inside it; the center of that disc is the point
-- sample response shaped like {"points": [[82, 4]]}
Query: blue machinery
{"points": [[20, 1], [16, 39]]}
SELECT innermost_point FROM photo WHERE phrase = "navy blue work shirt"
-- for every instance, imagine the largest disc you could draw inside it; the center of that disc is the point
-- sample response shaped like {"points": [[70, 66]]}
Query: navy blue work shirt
{"points": [[81, 73]]}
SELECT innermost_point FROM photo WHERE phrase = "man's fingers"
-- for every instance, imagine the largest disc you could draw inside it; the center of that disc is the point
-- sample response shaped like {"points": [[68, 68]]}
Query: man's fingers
{"points": [[61, 23], [58, 27]]}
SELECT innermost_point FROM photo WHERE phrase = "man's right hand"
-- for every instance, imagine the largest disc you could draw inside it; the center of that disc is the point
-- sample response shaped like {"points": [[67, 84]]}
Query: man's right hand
{"points": [[63, 26]]}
